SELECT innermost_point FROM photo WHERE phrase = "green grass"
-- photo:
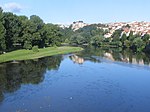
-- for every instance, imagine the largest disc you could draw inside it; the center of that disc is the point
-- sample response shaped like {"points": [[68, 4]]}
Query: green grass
{"points": [[29, 54]]}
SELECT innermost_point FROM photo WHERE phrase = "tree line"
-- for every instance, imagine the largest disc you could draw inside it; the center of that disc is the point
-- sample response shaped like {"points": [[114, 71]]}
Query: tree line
{"points": [[135, 42], [92, 35], [21, 32], [87, 35]]}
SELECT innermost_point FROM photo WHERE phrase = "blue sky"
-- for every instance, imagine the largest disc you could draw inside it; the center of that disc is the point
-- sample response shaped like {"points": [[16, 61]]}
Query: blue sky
{"points": [[90, 11]]}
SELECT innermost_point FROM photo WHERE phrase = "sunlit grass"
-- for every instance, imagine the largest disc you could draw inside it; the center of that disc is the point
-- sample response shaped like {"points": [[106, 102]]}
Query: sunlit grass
{"points": [[29, 54]]}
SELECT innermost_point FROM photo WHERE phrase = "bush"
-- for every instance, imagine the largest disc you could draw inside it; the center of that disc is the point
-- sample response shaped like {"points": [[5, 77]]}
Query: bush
{"points": [[35, 49], [27, 45]]}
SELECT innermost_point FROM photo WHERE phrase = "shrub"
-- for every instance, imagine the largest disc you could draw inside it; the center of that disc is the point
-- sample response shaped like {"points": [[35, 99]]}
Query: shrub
{"points": [[27, 45], [35, 49]]}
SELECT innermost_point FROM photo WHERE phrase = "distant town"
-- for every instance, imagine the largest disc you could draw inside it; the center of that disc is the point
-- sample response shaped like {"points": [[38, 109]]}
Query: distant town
{"points": [[141, 28]]}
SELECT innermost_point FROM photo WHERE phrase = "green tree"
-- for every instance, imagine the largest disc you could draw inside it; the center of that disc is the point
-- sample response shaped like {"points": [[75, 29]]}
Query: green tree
{"points": [[80, 39], [123, 38], [37, 24], [139, 44], [27, 41], [66, 34], [24, 30], [88, 32], [52, 35], [97, 40], [2, 32], [77, 39], [146, 39], [13, 30], [27, 45], [116, 35]]}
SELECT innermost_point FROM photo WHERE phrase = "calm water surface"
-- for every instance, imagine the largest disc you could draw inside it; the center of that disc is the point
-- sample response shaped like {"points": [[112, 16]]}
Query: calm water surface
{"points": [[93, 80]]}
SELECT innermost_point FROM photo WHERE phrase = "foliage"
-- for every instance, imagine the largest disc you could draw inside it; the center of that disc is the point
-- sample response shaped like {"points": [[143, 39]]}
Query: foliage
{"points": [[116, 35], [20, 32], [27, 45], [97, 40], [86, 35], [127, 43], [77, 39], [35, 49], [95, 36], [139, 44], [2, 32], [146, 39]]}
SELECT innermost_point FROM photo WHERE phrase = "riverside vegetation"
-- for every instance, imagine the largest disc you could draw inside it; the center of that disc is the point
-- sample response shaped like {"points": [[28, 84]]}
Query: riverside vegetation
{"points": [[30, 34], [22, 38], [92, 35], [36, 53]]}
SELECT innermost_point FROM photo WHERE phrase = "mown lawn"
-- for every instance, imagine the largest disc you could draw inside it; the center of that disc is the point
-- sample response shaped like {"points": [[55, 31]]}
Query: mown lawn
{"points": [[29, 54]]}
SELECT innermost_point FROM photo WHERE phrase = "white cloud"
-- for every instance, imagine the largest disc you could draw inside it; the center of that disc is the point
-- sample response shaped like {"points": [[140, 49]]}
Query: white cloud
{"points": [[13, 7]]}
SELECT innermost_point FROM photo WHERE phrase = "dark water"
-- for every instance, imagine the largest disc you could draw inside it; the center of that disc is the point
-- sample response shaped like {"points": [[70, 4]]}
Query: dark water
{"points": [[94, 80]]}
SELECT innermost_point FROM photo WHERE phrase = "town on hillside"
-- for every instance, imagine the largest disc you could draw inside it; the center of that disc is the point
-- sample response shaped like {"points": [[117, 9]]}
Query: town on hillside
{"points": [[141, 28]]}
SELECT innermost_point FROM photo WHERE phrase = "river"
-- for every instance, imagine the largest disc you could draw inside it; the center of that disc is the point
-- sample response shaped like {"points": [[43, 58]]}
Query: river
{"points": [[94, 80]]}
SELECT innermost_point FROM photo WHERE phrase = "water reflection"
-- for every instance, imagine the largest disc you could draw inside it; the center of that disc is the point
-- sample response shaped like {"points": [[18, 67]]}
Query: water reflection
{"points": [[77, 59], [129, 57], [91, 87], [12, 75], [126, 56]]}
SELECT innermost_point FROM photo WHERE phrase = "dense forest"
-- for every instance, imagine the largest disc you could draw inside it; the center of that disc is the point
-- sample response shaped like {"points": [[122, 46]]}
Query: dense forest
{"points": [[21, 32]]}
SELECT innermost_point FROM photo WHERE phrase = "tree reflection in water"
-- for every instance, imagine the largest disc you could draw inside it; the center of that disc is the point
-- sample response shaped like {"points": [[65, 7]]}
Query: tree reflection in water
{"points": [[12, 75], [115, 54]]}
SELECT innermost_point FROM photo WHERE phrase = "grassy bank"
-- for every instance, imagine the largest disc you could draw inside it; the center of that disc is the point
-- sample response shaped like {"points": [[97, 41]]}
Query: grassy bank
{"points": [[29, 54]]}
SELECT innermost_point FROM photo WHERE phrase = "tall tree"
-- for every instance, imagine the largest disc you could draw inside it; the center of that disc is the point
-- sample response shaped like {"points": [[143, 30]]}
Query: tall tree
{"points": [[37, 33], [53, 35], [2, 32], [123, 38], [146, 39], [13, 29], [116, 35]]}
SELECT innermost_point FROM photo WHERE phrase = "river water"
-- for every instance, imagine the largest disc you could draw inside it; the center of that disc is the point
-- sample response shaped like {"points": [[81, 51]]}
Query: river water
{"points": [[94, 80]]}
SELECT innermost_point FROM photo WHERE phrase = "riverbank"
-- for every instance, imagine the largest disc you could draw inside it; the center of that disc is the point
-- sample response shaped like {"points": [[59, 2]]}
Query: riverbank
{"points": [[29, 54]]}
